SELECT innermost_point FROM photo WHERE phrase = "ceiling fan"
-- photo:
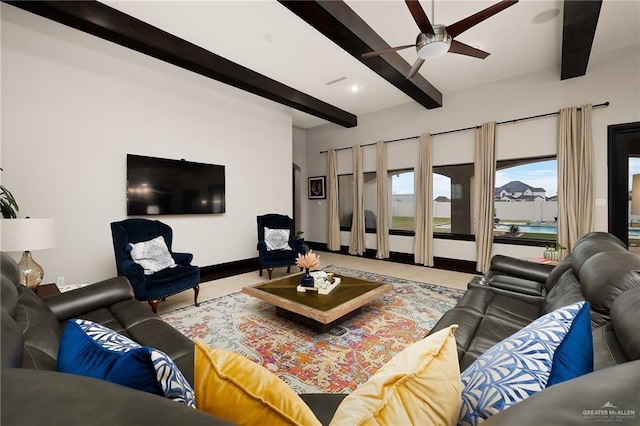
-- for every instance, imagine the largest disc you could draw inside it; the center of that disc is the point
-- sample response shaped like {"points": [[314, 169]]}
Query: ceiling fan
{"points": [[436, 40]]}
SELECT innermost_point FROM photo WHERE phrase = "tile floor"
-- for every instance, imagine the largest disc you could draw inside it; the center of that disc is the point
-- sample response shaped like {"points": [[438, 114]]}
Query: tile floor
{"points": [[221, 287]]}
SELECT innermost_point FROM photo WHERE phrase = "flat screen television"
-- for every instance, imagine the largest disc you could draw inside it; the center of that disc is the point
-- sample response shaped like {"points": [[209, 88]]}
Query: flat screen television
{"points": [[159, 186]]}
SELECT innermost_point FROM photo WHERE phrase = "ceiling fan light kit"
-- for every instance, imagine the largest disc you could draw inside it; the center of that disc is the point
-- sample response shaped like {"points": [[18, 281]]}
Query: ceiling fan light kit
{"points": [[430, 46], [435, 40]]}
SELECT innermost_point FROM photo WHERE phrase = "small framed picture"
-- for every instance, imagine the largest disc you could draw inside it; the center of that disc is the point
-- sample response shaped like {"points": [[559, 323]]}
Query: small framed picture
{"points": [[317, 187]]}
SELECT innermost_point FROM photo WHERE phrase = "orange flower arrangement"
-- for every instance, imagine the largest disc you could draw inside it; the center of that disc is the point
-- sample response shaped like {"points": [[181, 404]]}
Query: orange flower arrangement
{"points": [[309, 260]]}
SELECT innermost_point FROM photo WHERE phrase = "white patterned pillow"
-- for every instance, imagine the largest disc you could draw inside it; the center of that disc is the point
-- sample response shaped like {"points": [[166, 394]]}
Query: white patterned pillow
{"points": [[152, 255], [519, 366], [276, 239], [93, 350]]}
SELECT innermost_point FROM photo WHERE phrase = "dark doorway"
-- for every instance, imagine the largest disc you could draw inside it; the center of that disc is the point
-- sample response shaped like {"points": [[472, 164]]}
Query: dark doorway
{"points": [[624, 142], [296, 191]]}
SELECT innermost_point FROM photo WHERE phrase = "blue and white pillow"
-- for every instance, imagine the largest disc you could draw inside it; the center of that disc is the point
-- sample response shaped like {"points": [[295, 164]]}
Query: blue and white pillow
{"points": [[93, 350], [522, 364], [276, 239], [152, 255]]}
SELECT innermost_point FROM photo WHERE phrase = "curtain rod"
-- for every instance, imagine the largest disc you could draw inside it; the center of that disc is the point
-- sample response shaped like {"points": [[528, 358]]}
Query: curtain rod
{"points": [[549, 114]]}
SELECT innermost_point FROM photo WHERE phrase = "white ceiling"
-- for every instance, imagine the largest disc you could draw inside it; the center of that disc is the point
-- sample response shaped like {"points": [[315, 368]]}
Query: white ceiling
{"points": [[267, 38]]}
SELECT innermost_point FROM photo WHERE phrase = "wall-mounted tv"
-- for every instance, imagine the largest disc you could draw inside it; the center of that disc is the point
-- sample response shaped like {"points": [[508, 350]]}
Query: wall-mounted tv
{"points": [[159, 186]]}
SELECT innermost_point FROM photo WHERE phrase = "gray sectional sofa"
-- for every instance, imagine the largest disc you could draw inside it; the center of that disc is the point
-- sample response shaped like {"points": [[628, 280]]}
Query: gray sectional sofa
{"points": [[509, 297]]}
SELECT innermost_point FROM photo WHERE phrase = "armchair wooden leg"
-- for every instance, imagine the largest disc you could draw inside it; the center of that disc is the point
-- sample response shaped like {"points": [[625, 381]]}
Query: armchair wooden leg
{"points": [[269, 271], [154, 305], [260, 271], [196, 290], [300, 269], [288, 269]]}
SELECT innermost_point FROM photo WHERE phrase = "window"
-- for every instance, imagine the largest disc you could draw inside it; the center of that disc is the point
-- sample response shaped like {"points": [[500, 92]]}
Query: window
{"points": [[345, 201], [452, 204], [531, 209], [402, 200], [525, 199], [442, 193], [634, 218]]}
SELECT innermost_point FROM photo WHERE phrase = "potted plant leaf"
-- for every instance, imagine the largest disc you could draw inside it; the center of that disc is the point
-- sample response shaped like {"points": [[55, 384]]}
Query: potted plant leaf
{"points": [[8, 204], [298, 236], [552, 251]]}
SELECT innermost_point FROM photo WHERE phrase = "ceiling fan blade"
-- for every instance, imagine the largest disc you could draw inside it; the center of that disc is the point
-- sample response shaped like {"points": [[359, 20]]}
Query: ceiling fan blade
{"points": [[465, 49], [419, 16], [463, 25], [391, 49], [416, 67]]}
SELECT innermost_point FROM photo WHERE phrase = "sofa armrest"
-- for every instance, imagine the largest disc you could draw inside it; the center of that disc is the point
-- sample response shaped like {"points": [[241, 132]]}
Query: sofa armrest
{"points": [[183, 258], [535, 300], [67, 399], [131, 268], [506, 265], [86, 299], [580, 401], [518, 285], [297, 245]]}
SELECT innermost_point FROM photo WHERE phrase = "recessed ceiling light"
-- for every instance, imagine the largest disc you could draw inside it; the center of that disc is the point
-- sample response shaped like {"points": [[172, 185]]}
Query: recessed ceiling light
{"points": [[354, 88]]}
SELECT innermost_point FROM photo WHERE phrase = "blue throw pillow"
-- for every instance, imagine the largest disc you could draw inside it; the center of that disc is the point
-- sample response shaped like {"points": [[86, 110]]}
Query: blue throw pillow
{"points": [[92, 350], [574, 356], [520, 365]]}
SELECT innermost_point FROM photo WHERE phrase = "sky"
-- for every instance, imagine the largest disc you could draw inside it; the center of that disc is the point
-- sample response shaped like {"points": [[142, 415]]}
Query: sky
{"points": [[542, 174], [539, 175]]}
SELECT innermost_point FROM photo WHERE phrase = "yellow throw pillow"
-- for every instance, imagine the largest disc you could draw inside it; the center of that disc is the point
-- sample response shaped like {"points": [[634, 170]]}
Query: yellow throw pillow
{"points": [[237, 389], [419, 386]]}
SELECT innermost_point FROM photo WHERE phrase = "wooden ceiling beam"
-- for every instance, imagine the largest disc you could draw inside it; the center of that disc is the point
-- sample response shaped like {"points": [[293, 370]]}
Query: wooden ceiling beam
{"points": [[340, 24], [579, 22], [110, 24]]}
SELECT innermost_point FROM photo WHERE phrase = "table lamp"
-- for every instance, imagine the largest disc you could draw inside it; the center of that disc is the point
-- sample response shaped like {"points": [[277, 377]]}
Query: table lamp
{"points": [[26, 235]]}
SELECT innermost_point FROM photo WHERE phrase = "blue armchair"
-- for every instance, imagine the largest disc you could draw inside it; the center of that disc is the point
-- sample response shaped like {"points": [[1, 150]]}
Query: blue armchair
{"points": [[161, 284], [274, 256]]}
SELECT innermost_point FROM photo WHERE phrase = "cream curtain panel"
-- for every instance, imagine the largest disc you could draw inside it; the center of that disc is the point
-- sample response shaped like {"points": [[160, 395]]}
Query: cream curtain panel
{"points": [[333, 229], [357, 245], [484, 191], [423, 243], [382, 220], [575, 175]]}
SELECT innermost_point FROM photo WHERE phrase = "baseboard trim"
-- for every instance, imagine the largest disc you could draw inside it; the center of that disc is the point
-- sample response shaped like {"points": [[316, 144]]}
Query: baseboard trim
{"points": [[228, 269], [457, 265], [237, 267]]}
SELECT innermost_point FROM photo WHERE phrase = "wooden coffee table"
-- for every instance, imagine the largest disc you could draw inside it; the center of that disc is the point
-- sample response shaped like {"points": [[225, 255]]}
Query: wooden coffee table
{"points": [[317, 311]]}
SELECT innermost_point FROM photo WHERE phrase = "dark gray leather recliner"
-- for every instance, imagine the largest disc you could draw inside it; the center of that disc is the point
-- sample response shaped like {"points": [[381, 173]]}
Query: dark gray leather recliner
{"points": [[515, 292]]}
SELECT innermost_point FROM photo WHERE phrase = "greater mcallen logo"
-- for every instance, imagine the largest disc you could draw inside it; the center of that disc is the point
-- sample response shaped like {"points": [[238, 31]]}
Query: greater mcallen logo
{"points": [[609, 413]]}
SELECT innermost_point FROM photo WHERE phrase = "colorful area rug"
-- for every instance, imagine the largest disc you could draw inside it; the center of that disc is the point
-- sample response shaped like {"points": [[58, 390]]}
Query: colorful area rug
{"points": [[309, 361]]}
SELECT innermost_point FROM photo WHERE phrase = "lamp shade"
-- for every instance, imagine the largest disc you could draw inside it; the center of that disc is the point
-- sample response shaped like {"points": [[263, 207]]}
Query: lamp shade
{"points": [[635, 195], [27, 234]]}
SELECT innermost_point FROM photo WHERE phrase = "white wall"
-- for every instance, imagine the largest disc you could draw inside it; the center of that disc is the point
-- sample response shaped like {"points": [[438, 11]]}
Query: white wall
{"points": [[74, 105], [300, 160], [612, 77]]}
